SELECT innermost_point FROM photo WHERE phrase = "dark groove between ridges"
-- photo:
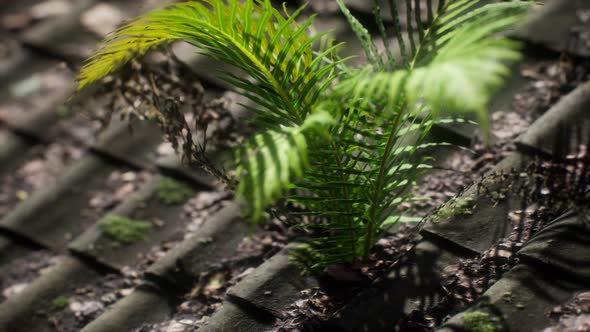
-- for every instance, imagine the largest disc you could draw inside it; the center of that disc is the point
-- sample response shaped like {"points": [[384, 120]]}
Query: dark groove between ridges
{"points": [[258, 313], [551, 271], [168, 286], [22, 240], [538, 51], [116, 161], [96, 265], [447, 244], [73, 63], [181, 176], [26, 135], [533, 151]]}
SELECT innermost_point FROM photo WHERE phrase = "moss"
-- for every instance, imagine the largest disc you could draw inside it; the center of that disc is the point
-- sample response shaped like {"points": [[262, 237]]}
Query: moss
{"points": [[456, 207], [63, 112], [479, 321], [205, 241], [171, 192], [125, 230], [60, 302]]}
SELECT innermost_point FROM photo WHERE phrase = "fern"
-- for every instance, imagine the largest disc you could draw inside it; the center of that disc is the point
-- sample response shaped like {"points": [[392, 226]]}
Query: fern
{"points": [[457, 65], [348, 151], [283, 76], [275, 52], [454, 63]]}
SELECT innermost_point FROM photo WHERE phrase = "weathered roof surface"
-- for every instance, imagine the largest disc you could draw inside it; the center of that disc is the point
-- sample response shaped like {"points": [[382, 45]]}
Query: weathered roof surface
{"points": [[55, 211]]}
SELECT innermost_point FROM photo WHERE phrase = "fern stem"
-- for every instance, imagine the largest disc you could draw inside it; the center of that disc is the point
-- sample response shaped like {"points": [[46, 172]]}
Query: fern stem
{"points": [[382, 30], [350, 219], [418, 18], [427, 34], [372, 222], [429, 8], [336, 148], [398, 31]]}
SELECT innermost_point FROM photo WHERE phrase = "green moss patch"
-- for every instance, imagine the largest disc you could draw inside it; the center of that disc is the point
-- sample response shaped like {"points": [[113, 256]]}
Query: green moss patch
{"points": [[479, 321], [60, 302], [172, 192], [456, 207], [125, 230]]}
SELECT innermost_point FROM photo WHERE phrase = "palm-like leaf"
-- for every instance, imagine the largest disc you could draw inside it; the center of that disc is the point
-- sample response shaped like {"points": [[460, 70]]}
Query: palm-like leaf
{"points": [[283, 75]]}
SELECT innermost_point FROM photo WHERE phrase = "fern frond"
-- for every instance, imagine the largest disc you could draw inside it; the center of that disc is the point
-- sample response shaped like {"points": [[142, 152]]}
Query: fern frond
{"points": [[463, 79], [466, 63], [269, 162], [274, 52], [343, 186], [383, 31], [461, 72], [457, 15], [358, 183], [371, 51]]}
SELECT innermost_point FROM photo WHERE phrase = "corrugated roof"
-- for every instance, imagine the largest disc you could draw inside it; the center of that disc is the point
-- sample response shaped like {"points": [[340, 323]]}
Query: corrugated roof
{"points": [[62, 269]]}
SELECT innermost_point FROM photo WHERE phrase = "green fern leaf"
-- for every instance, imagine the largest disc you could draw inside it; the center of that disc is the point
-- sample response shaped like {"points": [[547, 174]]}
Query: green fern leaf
{"points": [[362, 34], [269, 162], [460, 72], [358, 183], [274, 52]]}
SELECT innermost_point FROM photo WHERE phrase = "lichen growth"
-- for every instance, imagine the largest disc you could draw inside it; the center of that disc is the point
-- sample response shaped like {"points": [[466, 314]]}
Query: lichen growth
{"points": [[498, 196], [172, 192], [60, 302], [479, 321], [456, 207], [507, 297], [125, 230]]}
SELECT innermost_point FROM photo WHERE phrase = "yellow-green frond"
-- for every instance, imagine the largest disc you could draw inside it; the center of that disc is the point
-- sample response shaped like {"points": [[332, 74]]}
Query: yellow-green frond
{"points": [[125, 43], [274, 51]]}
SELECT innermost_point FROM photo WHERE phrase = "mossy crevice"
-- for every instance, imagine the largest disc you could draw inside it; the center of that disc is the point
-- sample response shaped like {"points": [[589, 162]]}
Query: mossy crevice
{"points": [[125, 230], [172, 192], [479, 321], [456, 207], [60, 302]]}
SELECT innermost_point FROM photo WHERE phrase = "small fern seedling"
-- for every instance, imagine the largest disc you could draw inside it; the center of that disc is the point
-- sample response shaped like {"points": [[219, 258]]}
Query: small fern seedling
{"points": [[347, 151]]}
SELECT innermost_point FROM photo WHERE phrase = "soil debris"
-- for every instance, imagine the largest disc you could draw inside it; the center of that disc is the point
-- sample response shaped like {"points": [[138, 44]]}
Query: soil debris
{"points": [[120, 185], [573, 316], [18, 274], [340, 284], [87, 303], [44, 165]]}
